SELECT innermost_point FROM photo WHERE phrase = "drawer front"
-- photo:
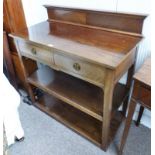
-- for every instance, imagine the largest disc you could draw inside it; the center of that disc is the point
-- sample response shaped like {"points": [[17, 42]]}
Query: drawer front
{"points": [[84, 70], [141, 93], [37, 53]]}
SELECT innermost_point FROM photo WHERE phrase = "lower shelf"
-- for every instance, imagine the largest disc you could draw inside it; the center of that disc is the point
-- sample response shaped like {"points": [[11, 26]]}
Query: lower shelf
{"points": [[75, 92], [78, 121]]}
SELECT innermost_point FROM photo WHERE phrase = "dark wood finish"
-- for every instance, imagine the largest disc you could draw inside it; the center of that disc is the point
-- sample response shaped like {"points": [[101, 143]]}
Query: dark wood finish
{"points": [[14, 21], [89, 127], [26, 72], [127, 125], [114, 54], [83, 124], [97, 37], [107, 108], [141, 94], [129, 82], [19, 71], [145, 95], [70, 90], [141, 110], [144, 73], [14, 18], [96, 51], [8, 61], [110, 20]]}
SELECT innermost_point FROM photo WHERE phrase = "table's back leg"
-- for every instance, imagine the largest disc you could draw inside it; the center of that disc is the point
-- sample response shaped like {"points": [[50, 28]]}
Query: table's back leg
{"points": [[131, 72], [128, 85]]}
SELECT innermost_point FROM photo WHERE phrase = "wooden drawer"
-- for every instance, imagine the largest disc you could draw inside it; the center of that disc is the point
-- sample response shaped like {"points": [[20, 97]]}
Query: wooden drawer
{"points": [[141, 93], [37, 53], [84, 70]]}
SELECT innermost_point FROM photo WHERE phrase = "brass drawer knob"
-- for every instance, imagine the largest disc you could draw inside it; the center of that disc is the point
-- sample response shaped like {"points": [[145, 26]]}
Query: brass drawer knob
{"points": [[33, 51], [76, 66]]}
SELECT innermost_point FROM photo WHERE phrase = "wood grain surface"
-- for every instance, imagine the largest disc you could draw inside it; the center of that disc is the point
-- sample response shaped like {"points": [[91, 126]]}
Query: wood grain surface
{"points": [[91, 50]]}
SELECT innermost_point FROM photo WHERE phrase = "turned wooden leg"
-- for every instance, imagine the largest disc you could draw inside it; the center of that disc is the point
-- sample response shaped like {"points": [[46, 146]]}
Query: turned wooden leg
{"points": [[141, 110], [107, 108], [127, 125]]}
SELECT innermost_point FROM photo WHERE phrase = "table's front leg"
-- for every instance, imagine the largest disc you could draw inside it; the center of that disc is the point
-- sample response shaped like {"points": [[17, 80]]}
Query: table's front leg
{"points": [[26, 74], [107, 107]]}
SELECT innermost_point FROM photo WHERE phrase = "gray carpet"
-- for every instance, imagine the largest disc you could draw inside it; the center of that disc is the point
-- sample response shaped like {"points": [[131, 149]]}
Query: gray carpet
{"points": [[45, 136]]}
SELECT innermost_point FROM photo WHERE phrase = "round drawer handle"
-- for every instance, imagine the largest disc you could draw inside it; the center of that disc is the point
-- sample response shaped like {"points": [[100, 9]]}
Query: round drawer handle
{"points": [[34, 51], [76, 66]]}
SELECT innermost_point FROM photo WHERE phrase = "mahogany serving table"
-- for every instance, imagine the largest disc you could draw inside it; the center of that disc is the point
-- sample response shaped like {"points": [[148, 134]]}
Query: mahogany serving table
{"points": [[85, 53]]}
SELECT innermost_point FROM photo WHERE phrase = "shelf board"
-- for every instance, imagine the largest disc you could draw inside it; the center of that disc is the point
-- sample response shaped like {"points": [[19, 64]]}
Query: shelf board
{"points": [[75, 92], [72, 118], [78, 121]]}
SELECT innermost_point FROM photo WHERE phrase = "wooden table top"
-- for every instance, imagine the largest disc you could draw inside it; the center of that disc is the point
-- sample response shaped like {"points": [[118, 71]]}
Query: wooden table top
{"points": [[144, 73], [108, 49]]}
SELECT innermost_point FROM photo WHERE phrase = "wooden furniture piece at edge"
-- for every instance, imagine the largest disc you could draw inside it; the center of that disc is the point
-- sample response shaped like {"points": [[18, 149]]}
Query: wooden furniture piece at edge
{"points": [[8, 62], [141, 94], [13, 21], [112, 74]]}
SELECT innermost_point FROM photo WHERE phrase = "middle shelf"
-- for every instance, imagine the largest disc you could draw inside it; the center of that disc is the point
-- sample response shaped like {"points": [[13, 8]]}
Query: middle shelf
{"points": [[75, 92]]}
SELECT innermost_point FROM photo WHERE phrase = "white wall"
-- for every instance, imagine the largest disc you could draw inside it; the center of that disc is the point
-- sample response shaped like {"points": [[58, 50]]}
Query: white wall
{"points": [[35, 13]]}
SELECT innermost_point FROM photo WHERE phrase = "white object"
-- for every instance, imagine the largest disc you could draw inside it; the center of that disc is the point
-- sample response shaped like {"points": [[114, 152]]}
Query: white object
{"points": [[11, 102]]}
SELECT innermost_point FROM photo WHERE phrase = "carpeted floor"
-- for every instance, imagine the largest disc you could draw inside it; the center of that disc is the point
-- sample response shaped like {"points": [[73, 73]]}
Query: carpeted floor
{"points": [[45, 136]]}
